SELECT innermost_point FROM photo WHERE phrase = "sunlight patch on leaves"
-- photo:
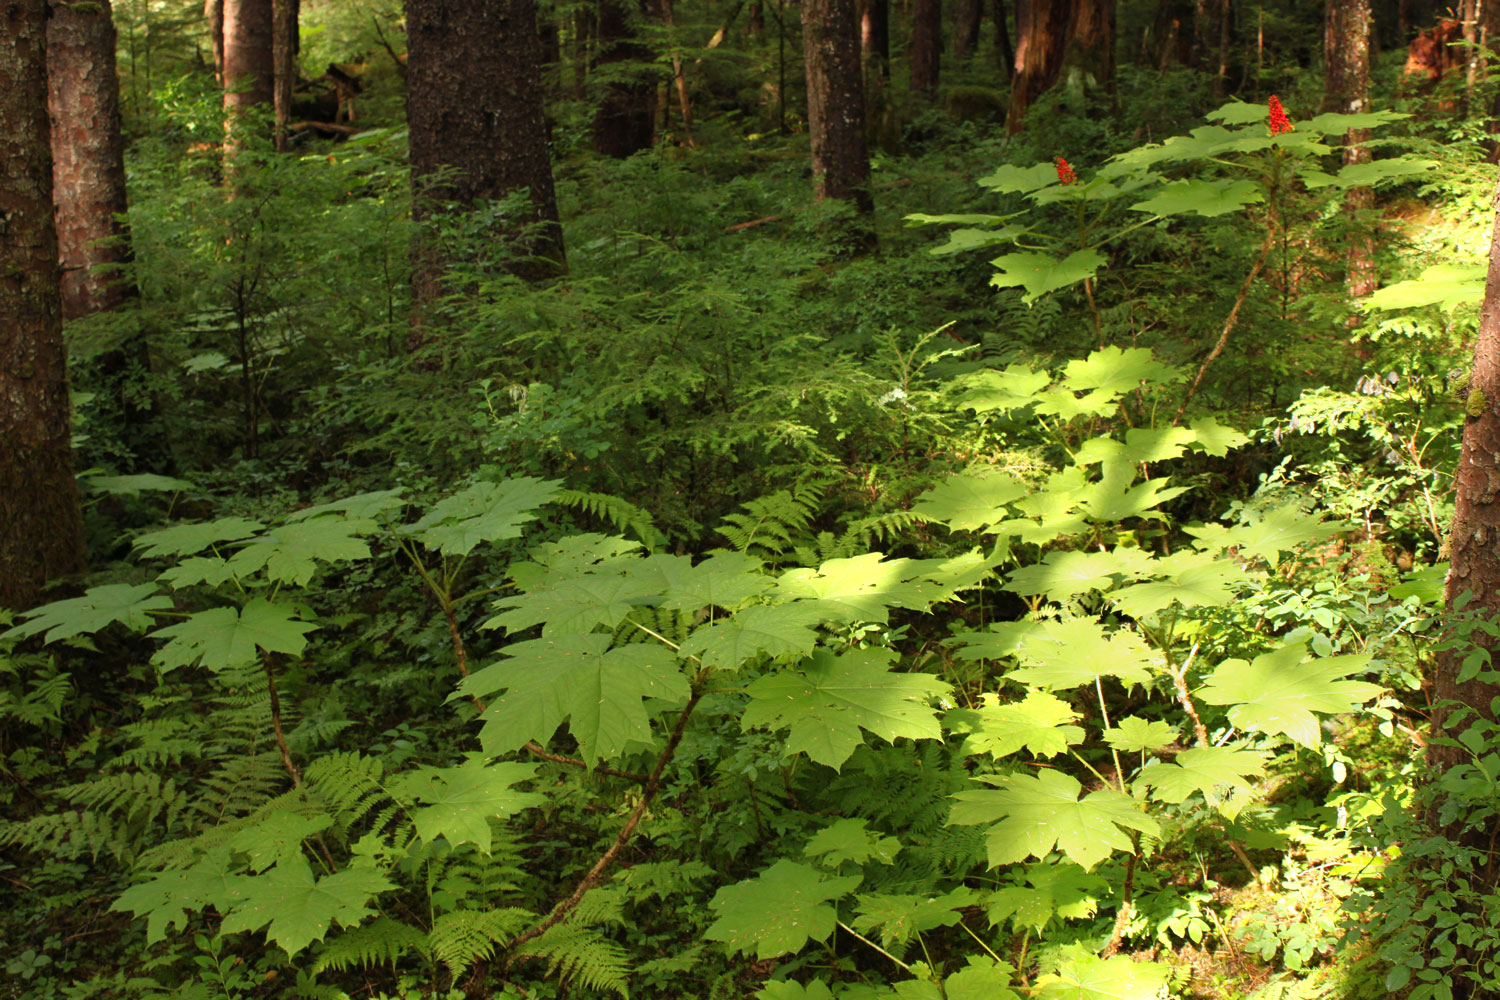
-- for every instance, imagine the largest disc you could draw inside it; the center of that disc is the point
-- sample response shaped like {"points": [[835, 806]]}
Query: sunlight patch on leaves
{"points": [[1278, 692], [779, 910]]}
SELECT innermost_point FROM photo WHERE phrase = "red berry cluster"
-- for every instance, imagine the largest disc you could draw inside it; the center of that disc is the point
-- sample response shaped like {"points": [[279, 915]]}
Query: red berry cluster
{"points": [[1064, 172], [1279, 122]]}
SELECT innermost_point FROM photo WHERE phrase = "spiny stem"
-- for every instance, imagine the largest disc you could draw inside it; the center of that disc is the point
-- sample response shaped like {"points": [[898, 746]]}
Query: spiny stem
{"points": [[856, 934]]}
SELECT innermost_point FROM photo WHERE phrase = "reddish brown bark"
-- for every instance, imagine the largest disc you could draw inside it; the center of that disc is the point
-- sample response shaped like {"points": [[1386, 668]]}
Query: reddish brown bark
{"points": [[88, 157], [836, 101], [213, 13], [926, 52], [249, 64], [1346, 87], [966, 22], [41, 528], [284, 47], [474, 111], [1051, 34], [622, 124]]}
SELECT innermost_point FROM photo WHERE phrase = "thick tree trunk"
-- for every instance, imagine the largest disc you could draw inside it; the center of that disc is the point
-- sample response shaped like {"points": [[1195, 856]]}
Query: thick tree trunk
{"points": [[1051, 34], [836, 101], [284, 47], [474, 111], [213, 13], [966, 22], [41, 528], [249, 64], [926, 52], [88, 157], [1346, 47], [622, 125]]}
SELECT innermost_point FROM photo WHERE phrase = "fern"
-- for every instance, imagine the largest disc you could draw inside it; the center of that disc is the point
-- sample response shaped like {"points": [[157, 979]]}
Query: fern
{"points": [[772, 525], [575, 953], [462, 937], [380, 942], [620, 513]]}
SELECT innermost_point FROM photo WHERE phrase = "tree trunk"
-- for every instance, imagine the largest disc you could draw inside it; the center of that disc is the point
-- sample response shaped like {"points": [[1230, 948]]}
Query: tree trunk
{"points": [[1346, 87], [88, 157], [679, 78], [249, 64], [1005, 56], [213, 13], [875, 34], [285, 45], [41, 527], [926, 51], [966, 22], [622, 125], [836, 102], [1221, 78], [1051, 34], [474, 111], [1172, 34]]}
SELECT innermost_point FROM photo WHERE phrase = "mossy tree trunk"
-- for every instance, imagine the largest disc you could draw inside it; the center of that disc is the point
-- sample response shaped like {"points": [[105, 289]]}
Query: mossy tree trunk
{"points": [[836, 101], [41, 526]]}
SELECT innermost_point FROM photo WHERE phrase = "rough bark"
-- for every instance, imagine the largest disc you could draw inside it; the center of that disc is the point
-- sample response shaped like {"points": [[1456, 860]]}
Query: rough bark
{"points": [[1053, 34], [284, 47], [41, 528], [478, 136], [622, 124], [1005, 55], [926, 52], [966, 22], [836, 101], [213, 13], [1346, 88], [1474, 569], [88, 157], [249, 64]]}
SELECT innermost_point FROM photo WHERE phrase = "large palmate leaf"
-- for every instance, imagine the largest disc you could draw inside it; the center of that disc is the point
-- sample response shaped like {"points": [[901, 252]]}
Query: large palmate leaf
{"points": [[1266, 533], [578, 678], [1011, 179], [1201, 197], [1202, 769], [458, 802], [1062, 574], [779, 910], [1056, 655], [960, 240], [827, 700], [228, 637], [1039, 274], [362, 506], [865, 587], [1114, 370], [1209, 584], [1039, 722], [129, 604], [1135, 733], [165, 899], [300, 908], [576, 604], [133, 485], [1007, 390], [983, 979], [851, 840], [1050, 890], [769, 629], [1279, 692], [1141, 444], [291, 552], [1113, 498], [1088, 977], [970, 500], [901, 917], [1029, 815], [187, 539], [277, 837], [1447, 286], [725, 580], [485, 512]]}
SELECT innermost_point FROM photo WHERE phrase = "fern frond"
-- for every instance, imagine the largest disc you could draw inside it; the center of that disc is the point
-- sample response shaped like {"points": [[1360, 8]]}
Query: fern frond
{"points": [[771, 525], [581, 954], [462, 937], [380, 942], [622, 514]]}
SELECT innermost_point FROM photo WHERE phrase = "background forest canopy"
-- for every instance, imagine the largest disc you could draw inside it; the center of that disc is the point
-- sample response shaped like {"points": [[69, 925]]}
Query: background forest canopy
{"points": [[822, 500]]}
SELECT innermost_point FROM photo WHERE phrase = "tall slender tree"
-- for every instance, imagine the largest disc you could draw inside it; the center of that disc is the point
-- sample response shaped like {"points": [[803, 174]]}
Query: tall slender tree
{"points": [[285, 44], [213, 13], [41, 527], [926, 52], [966, 23], [474, 110], [623, 121], [249, 64], [875, 35], [1346, 85], [836, 101]]}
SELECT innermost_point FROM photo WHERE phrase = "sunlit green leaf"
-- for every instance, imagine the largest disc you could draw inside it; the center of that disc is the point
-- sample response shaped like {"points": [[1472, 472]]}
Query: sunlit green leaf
{"points": [[1279, 692], [1201, 197], [1039, 274], [851, 840], [779, 910]]}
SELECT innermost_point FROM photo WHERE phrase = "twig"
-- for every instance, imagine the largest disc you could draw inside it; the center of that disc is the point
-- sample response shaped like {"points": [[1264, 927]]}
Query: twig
{"points": [[286, 754], [1179, 681], [904, 967], [1127, 906], [648, 793], [1229, 324], [746, 225]]}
